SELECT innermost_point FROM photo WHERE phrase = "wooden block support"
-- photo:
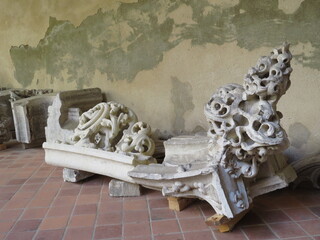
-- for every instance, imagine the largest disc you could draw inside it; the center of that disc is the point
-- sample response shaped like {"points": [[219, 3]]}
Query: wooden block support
{"points": [[223, 223], [3, 147], [178, 204]]}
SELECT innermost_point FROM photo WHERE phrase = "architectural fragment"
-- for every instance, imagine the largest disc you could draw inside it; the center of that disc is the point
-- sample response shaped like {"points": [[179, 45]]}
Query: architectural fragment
{"points": [[123, 189], [30, 118], [23, 114], [65, 111], [244, 131], [71, 175], [6, 114], [108, 140]]}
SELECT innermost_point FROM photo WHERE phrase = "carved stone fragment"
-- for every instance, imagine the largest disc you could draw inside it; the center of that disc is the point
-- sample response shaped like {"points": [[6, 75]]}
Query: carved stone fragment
{"points": [[72, 175], [244, 131], [65, 111], [30, 118], [108, 140], [123, 189]]}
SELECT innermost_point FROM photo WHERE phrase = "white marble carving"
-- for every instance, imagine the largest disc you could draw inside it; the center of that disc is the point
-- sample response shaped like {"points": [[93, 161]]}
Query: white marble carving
{"points": [[244, 122], [92, 160], [108, 140], [244, 133], [65, 111]]}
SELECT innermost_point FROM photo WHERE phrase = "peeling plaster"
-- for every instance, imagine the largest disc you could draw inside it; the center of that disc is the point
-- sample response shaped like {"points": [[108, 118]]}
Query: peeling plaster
{"points": [[133, 38]]}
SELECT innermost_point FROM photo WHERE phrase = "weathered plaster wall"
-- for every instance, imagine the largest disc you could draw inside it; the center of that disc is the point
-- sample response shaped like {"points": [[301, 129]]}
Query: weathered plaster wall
{"points": [[165, 58]]}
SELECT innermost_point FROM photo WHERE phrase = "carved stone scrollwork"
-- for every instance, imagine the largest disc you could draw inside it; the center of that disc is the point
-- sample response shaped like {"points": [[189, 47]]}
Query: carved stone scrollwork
{"points": [[100, 126], [244, 123], [113, 127], [137, 140]]}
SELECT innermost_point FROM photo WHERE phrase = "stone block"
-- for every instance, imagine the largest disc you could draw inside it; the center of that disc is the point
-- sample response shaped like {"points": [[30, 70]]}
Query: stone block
{"points": [[72, 175], [123, 189]]}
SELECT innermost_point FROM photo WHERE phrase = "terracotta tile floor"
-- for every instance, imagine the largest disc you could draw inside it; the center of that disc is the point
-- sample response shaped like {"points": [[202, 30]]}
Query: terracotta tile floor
{"points": [[35, 203]]}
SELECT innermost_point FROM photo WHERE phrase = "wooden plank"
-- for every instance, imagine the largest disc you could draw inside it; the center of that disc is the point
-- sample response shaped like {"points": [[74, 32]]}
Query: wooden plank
{"points": [[223, 223], [3, 147], [178, 204]]}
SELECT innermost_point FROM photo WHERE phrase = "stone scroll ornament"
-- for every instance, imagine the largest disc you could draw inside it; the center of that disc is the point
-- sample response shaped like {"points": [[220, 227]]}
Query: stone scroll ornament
{"points": [[244, 124], [113, 127]]}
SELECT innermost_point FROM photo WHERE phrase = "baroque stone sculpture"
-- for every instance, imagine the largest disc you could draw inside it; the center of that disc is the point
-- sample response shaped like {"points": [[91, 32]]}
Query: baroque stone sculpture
{"points": [[108, 140], [244, 122], [244, 132]]}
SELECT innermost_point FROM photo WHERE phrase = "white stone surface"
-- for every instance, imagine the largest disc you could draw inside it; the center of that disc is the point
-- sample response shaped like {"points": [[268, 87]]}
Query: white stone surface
{"points": [[91, 160], [65, 111], [186, 149], [123, 189], [72, 175]]}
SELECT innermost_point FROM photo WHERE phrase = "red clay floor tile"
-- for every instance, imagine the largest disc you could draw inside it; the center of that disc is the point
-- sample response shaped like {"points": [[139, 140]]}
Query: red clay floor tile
{"points": [[287, 230], [50, 234], [109, 218], [299, 214], [135, 216], [108, 231], [78, 234], [54, 223], [26, 225], [193, 224], [87, 220], [258, 233], [207, 235], [235, 234], [165, 226], [311, 226], [172, 236], [21, 235], [274, 216], [137, 229]]}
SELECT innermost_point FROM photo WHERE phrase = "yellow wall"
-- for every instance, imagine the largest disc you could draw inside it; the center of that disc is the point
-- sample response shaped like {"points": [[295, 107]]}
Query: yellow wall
{"points": [[165, 58]]}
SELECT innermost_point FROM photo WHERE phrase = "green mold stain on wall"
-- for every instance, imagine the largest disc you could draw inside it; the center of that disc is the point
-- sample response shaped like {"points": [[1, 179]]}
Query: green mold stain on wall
{"points": [[181, 98], [134, 38]]}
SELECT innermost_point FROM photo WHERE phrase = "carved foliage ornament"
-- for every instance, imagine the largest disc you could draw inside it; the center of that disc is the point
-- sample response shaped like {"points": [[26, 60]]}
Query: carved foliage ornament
{"points": [[244, 123], [113, 127]]}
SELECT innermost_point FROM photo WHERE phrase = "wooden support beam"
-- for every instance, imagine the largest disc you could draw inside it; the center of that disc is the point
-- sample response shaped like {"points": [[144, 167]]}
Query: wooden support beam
{"points": [[223, 223], [178, 204]]}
